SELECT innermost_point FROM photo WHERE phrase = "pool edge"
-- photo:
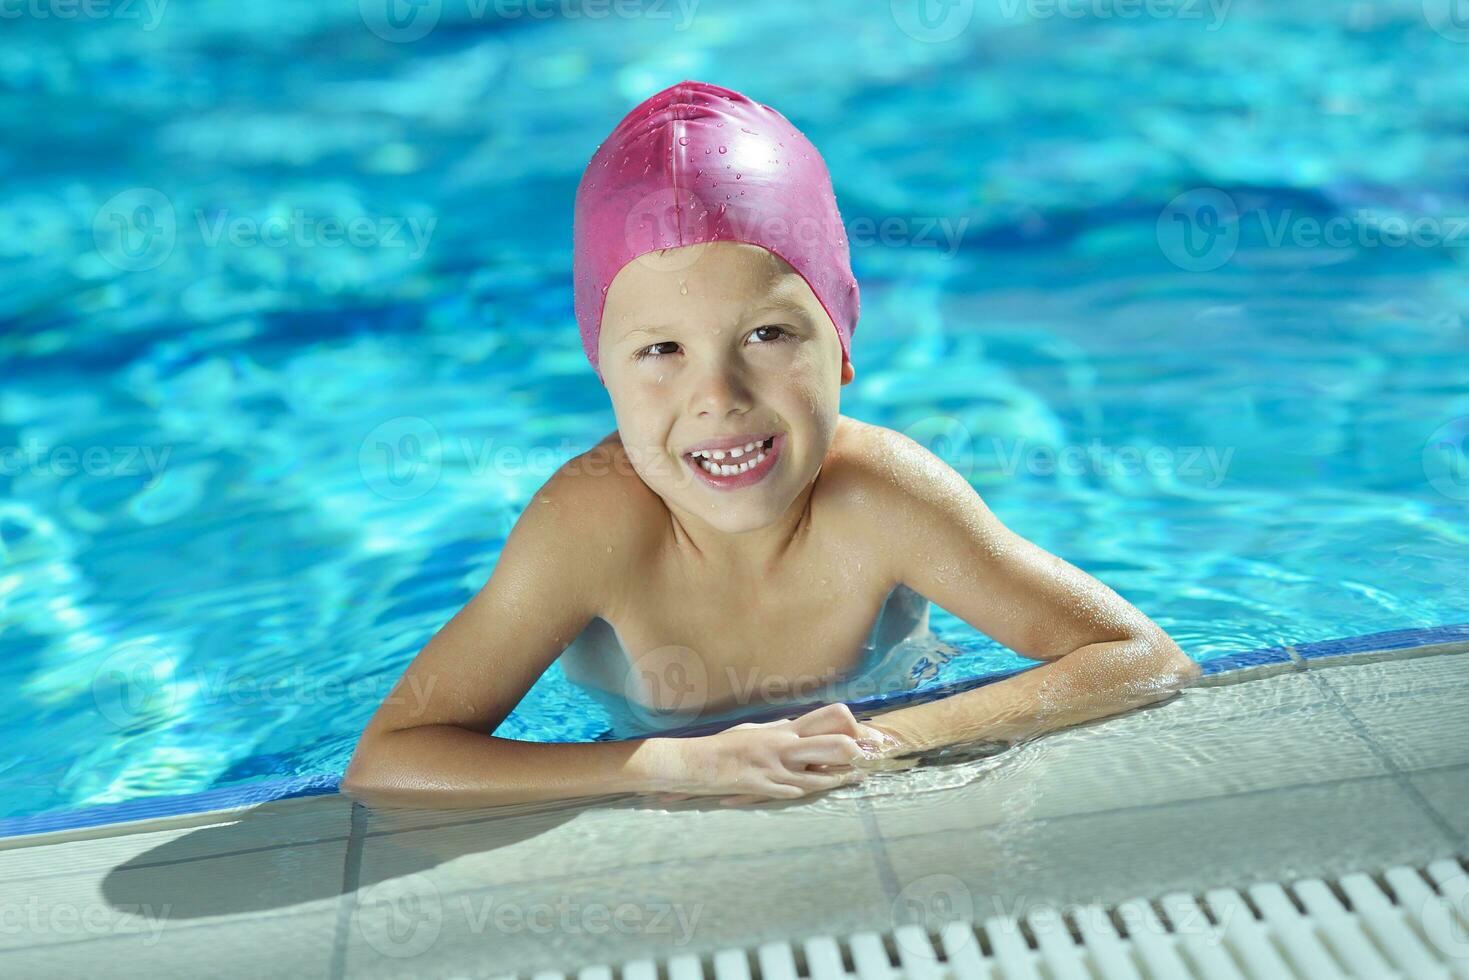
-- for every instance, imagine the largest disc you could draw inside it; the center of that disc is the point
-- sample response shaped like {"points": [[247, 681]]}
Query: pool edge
{"points": [[161, 813]]}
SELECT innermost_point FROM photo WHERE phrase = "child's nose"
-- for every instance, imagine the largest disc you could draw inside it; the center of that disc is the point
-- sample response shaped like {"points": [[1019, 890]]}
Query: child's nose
{"points": [[719, 390]]}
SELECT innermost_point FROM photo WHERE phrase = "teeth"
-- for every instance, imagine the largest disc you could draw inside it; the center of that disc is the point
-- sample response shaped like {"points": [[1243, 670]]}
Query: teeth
{"points": [[734, 453], [725, 469]]}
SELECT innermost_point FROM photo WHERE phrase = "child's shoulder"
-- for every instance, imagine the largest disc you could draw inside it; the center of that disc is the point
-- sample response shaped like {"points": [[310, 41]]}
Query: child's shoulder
{"points": [[598, 496], [874, 466]]}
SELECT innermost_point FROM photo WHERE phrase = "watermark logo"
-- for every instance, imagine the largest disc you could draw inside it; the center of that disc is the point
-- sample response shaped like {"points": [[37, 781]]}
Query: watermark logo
{"points": [[668, 215], [932, 21], [401, 459], [140, 683], [1105, 10], [1199, 229], [38, 920], [139, 228], [400, 917], [134, 682], [149, 12], [947, 438], [136, 230], [400, 21], [667, 683], [931, 902], [1445, 917], [950, 440], [39, 459], [405, 21], [1446, 459], [1450, 18]]}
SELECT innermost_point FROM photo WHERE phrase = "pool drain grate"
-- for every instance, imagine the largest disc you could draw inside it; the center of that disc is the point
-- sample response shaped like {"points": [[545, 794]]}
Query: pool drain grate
{"points": [[1406, 922]]}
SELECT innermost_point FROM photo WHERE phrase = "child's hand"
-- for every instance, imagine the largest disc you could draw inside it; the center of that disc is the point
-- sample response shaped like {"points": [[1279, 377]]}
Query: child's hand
{"points": [[784, 759]]}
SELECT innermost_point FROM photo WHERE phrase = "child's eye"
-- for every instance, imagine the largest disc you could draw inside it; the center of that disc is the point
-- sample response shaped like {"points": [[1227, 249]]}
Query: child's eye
{"points": [[652, 350], [764, 337]]}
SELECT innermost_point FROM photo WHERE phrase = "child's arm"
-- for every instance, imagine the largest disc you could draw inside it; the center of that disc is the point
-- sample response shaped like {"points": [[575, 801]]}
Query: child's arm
{"points": [[430, 742], [1103, 655]]}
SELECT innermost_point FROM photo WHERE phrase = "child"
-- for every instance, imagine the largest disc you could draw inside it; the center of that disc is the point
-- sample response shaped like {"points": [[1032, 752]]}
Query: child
{"points": [[736, 528]]}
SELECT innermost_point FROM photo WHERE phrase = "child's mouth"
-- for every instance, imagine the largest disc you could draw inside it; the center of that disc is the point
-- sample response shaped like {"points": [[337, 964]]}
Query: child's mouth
{"points": [[723, 470]]}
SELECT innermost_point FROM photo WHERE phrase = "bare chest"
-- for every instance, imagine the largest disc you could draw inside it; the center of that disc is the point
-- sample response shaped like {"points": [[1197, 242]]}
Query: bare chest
{"points": [[706, 646]]}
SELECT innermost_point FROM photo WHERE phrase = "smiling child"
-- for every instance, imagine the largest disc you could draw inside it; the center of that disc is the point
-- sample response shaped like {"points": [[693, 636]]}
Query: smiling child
{"points": [[736, 526]]}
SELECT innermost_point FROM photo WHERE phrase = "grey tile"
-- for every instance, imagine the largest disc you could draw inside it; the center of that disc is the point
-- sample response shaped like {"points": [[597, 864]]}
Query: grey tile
{"points": [[98, 849], [536, 845], [1417, 710], [1227, 841], [1191, 748], [1447, 791], [285, 944], [144, 897], [410, 926], [1397, 678]]}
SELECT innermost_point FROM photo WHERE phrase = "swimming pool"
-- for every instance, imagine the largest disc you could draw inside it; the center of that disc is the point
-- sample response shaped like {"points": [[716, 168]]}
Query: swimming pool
{"points": [[249, 472]]}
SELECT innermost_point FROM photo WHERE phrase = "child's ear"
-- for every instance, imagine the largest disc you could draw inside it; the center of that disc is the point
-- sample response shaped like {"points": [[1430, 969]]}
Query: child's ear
{"points": [[848, 372]]}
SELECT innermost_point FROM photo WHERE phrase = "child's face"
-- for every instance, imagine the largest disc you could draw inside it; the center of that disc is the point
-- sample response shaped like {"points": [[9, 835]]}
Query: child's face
{"points": [[717, 340]]}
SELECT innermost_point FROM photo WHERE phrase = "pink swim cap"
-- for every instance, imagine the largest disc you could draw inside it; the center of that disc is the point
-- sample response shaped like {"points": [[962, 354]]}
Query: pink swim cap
{"points": [[700, 163]]}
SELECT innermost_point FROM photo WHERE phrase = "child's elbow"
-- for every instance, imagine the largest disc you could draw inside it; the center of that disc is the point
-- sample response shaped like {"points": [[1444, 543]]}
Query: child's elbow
{"points": [[364, 780]]}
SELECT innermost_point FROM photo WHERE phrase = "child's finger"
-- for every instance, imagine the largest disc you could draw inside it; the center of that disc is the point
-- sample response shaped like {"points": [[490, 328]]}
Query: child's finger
{"points": [[829, 719], [829, 749], [825, 767]]}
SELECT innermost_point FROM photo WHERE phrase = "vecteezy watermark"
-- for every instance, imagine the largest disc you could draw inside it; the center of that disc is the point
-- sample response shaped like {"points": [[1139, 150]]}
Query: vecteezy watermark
{"points": [[1113, 461], [140, 682], [405, 21], [1212, 11], [39, 459], [1450, 18], [1200, 229], [674, 683], [138, 229], [147, 12], [950, 439], [1444, 916], [936, 21], [404, 457], [404, 917], [670, 215], [1446, 459], [36, 921], [930, 902], [300, 229]]}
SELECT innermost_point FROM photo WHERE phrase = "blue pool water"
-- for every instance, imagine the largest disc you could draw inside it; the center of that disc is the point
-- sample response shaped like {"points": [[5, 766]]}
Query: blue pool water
{"points": [[250, 467]]}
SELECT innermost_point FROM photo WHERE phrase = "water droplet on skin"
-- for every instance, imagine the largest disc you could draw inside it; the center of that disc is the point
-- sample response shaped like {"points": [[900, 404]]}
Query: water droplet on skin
{"points": [[738, 176], [723, 149], [683, 288], [683, 141], [609, 549]]}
